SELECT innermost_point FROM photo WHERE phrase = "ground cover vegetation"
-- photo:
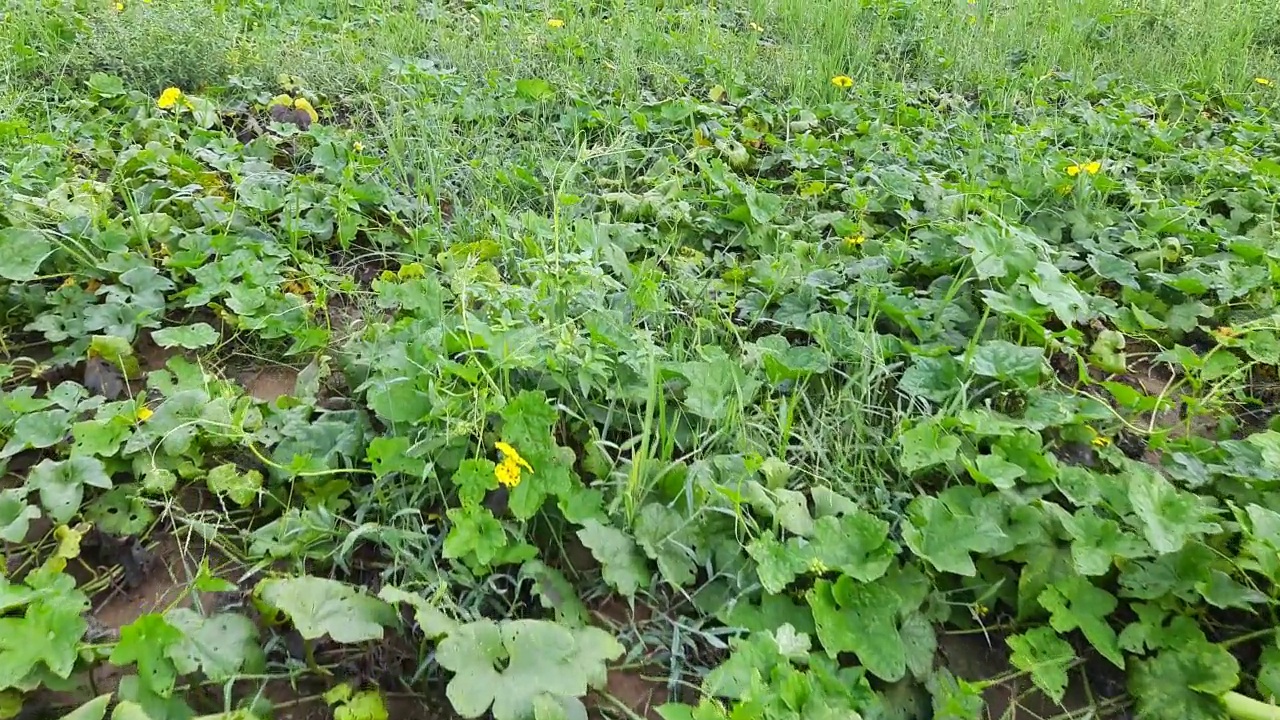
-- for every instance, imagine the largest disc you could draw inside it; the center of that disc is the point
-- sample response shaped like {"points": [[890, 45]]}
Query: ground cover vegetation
{"points": [[638, 359]]}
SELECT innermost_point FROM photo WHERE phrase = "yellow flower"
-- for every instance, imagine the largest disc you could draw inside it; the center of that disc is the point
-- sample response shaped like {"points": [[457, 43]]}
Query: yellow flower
{"points": [[119, 7], [1226, 332], [509, 454], [305, 106], [756, 27], [1262, 81], [855, 240], [357, 146], [144, 414], [555, 23], [844, 82], [508, 473], [69, 282], [1100, 442], [1092, 167], [169, 98]]}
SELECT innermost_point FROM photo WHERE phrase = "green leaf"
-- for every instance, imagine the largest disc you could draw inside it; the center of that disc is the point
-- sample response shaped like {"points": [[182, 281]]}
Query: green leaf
{"points": [[996, 253], [431, 620], [860, 618], [475, 533], [191, 337], [777, 564], [106, 86], [856, 544], [474, 479], [664, 536], [320, 606], [22, 250], [220, 646], [61, 484], [1046, 656], [1075, 603], [537, 657], [49, 632], [945, 539], [1049, 288], [364, 705], [534, 88], [936, 379], [41, 429], [1107, 352], [241, 487], [1008, 362], [926, 445], [716, 386], [388, 455], [1169, 516], [624, 566], [95, 709], [994, 470], [146, 642], [1184, 682], [120, 511], [15, 515]]}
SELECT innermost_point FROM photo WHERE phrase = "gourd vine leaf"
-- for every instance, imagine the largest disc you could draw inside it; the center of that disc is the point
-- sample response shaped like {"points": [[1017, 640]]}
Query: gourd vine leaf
{"points": [[1076, 603], [623, 564], [146, 642], [191, 337], [1041, 652], [857, 544], [777, 563], [22, 250], [1184, 682], [320, 606], [666, 538], [537, 657], [860, 618], [926, 445], [61, 484], [943, 538], [221, 646], [15, 515], [1169, 516], [433, 621], [95, 709], [716, 386], [1007, 362], [241, 487]]}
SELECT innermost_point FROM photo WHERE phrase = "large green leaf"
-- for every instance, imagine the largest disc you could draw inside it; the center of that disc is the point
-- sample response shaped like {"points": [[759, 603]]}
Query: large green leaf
{"points": [[624, 565], [536, 657], [61, 484], [320, 606], [22, 250], [1046, 656], [860, 618], [1076, 603]]}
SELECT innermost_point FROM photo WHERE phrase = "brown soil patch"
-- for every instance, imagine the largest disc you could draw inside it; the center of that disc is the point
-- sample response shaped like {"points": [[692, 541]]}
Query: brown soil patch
{"points": [[271, 383], [979, 656]]}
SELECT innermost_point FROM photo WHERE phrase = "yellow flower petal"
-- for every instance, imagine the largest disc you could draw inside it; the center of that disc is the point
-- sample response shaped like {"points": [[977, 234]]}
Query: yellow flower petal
{"points": [[144, 414], [555, 23], [119, 7], [1093, 167], [844, 82], [1073, 170], [169, 98], [509, 454], [1262, 81], [305, 106]]}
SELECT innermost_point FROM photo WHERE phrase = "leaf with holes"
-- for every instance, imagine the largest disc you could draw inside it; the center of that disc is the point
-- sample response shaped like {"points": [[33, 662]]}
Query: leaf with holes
{"points": [[191, 337], [146, 642], [221, 646]]}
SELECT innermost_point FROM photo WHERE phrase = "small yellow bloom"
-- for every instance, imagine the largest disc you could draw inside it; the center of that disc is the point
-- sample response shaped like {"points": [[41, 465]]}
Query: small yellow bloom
{"points": [[855, 240], [1226, 332], [756, 27], [508, 473], [1092, 168], [844, 82], [555, 23], [509, 454], [1100, 442], [305, 106], [119, 7], [144, 414], [1262, 81], [169, 98], [357, 146], [70, 282]]}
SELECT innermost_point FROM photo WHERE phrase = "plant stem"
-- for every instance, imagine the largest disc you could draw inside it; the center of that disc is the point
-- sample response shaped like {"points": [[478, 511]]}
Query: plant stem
{"points": [[1241, 707]]}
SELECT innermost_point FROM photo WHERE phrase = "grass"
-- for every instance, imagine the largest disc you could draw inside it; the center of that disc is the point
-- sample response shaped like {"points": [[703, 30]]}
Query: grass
{"points": [[812, 368]]}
